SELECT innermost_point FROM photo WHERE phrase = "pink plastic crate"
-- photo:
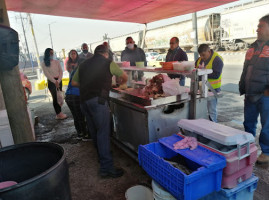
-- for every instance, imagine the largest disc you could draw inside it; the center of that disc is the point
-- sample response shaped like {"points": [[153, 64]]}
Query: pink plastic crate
{"points": [[236, 170]]}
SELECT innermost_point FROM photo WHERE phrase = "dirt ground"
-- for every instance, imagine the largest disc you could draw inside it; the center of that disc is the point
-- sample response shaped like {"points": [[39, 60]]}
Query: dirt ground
{"points": [[82, 158]]}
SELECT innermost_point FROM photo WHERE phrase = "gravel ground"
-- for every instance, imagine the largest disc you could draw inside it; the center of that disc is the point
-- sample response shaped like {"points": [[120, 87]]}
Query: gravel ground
{"points": [[82, 158]]}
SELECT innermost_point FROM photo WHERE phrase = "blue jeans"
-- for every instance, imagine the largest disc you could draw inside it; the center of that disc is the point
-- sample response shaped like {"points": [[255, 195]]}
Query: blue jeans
{"points": [[98, 120], [182, 80], [212, 109], [251, 113]]}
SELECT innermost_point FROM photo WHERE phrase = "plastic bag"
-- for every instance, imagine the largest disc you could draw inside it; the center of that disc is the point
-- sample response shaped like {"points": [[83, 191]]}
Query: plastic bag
{"points": [[172, 87], [166, 78], [60, 97]]}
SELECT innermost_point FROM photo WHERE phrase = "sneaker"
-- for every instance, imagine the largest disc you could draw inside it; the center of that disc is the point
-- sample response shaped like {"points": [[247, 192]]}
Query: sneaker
{"points": [[263, 159], [80, 136], [113, 173], [61, 116], [86, 138]]}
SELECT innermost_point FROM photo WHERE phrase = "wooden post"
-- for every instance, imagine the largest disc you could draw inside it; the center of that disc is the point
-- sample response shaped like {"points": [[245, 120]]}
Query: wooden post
{"points": [[14, 95]]}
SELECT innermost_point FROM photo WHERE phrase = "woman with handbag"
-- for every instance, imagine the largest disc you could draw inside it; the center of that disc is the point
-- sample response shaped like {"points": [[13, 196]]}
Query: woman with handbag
{"points": [[53, 71], [72, 98]]}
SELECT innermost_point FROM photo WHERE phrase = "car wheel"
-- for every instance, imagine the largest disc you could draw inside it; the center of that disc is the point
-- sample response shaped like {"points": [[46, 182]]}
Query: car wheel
{"points": [[27, 93]]}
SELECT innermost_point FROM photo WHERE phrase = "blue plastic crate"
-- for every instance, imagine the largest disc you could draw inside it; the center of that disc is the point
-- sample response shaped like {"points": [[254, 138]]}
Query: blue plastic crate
{"points": [[244, 191], [207, 168]]}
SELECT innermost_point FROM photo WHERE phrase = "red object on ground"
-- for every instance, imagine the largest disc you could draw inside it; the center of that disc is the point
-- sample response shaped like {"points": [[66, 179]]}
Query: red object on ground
{"points": [[6, 184], [27, 86]]}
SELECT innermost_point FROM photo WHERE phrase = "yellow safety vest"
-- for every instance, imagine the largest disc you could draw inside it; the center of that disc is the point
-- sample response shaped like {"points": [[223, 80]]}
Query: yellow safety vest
{"points": [[215, 83]]}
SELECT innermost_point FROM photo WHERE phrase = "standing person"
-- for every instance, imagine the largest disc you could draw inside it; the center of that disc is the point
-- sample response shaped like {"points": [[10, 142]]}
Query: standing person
{"points": [[211, 60], [175, 53], [254, 83], [111, 54], [133, 54], [94, 78], [72, 61], [73, 100], [85, 54], [53, 71]]}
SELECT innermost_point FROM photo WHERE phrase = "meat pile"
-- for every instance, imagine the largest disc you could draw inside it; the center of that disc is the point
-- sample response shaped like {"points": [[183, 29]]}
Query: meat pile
{"points": [[187, 142], [154, 88]]}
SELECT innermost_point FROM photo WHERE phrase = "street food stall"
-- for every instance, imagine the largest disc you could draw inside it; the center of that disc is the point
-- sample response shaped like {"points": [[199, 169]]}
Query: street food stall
{"points": [[139, 119]]}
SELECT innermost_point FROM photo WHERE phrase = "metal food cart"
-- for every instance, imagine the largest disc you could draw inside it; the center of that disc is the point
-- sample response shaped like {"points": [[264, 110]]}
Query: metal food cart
{"points": [[139, 120]]}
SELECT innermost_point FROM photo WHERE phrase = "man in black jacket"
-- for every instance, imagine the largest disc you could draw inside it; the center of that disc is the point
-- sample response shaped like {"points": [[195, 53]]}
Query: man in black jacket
{"points": [[94, 78], [133, 54], [175, 53], [254, 83]]}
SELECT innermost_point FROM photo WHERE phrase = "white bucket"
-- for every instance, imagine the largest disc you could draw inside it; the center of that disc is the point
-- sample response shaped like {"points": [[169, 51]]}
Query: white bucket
{"points": [[159, 193], [139, 192]]}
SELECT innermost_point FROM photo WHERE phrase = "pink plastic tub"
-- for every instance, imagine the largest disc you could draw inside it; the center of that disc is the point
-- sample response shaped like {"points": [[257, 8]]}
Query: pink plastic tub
{"points": [[237, 169]]}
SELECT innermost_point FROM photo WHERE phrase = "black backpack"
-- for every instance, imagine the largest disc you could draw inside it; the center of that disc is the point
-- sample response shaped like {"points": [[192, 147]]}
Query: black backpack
{"points": [[9, 48]]}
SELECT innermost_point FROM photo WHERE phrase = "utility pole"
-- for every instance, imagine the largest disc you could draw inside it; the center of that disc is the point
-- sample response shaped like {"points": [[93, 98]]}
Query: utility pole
{"points": [[36, 48], [29, 57], [33, 33], [50, 35], [14, 95]]}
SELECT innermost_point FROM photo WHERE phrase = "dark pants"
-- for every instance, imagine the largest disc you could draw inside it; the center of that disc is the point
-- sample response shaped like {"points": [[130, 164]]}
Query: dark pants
{"points": [[73, 102], [98, 120], [52, 89], [252, 110]]}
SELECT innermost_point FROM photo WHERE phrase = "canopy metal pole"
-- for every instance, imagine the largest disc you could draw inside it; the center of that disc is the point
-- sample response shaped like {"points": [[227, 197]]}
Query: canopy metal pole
{"points": [[194, 79], [195, 36], [14, 99], [144, 36]]}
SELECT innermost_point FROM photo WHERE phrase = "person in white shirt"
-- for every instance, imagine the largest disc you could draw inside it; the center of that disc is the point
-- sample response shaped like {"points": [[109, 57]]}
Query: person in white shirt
{"points": [[53, 71]]}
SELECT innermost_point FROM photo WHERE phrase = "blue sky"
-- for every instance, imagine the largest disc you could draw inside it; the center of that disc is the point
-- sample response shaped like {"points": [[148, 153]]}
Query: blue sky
{"points": [[68, 33]]}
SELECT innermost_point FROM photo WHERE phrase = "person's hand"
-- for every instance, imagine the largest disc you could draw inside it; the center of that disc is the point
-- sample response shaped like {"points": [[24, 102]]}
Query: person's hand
{"points": [[119, 80], [57, 84]]}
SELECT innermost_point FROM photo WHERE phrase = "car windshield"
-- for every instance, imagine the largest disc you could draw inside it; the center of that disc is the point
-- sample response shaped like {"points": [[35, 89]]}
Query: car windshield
{"points": [[154, 54], [159, 58]]}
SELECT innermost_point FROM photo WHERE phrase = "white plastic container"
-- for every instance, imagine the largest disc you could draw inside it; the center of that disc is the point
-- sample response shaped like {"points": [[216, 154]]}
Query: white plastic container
{"points": [[184, 66], [6, 137], [139, 192], [216, 132], [159, 193]]}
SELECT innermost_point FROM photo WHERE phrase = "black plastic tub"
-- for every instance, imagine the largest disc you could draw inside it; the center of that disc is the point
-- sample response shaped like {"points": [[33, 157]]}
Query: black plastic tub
{"points": [[39, 168]]}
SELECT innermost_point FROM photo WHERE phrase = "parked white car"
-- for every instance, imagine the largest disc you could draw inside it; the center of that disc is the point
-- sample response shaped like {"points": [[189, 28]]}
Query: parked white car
{"points": [[151, 55]]}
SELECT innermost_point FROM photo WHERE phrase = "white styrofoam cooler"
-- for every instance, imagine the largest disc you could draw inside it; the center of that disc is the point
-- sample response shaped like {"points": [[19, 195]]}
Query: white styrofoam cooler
{"points": [[6, 137]]}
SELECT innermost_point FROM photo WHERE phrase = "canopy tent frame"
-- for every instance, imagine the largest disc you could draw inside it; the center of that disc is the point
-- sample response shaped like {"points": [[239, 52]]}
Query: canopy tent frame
{"points": [[137, 11]]}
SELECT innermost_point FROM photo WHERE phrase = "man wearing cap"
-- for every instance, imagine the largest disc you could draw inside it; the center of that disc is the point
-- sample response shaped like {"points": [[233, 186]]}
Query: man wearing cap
{"points": [[94, 79], [133, 54]]}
